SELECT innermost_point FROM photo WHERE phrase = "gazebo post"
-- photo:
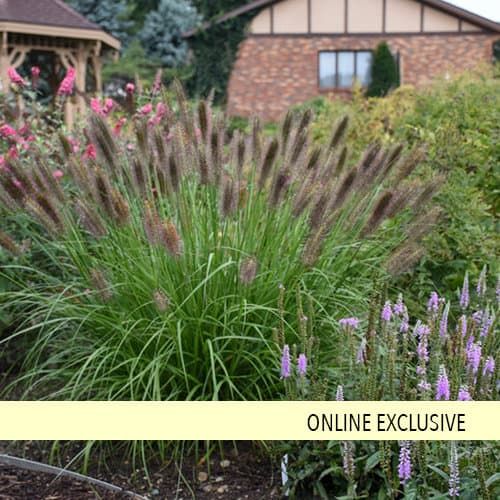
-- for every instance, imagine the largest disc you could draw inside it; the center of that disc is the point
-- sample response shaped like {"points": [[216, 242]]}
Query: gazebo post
{"points": [[4, 61], [81, 74], [97, 66]]}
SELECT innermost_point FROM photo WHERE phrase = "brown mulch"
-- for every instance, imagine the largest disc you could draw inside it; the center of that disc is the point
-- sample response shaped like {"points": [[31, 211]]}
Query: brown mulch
{"points": [[243, 474]]}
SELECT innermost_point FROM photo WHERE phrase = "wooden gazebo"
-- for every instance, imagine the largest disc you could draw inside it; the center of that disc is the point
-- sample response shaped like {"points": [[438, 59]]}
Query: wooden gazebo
{"points": [[51, 27]]}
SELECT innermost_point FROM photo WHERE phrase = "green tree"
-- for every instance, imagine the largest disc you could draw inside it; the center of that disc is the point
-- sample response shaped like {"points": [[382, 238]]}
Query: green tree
{"points": [[384, 72], [214, 49], [113, 17], [133, 61], [161, 35]]}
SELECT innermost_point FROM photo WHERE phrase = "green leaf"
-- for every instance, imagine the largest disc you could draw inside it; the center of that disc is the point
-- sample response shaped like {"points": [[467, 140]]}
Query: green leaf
{"points": [[493, 479]]}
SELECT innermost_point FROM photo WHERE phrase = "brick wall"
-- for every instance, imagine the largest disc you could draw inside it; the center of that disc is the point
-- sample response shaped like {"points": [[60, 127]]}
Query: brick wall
{"points": [[273, 72]]}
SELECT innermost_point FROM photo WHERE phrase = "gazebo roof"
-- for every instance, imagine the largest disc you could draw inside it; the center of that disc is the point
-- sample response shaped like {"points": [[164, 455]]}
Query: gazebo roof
{"points": [[51, 18]]}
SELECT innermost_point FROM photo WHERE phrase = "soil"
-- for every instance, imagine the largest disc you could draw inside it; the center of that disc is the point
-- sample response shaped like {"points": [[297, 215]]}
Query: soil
{"points": [[245, 473]]}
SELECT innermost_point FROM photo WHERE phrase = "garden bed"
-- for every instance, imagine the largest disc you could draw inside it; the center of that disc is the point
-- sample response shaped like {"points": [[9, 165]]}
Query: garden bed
{"points": [[245, 474]]}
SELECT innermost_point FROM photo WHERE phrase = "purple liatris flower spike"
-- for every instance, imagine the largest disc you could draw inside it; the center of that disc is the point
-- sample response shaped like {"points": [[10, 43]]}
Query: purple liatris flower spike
{"points": [[422, 352], [386, 312], [464, 394], [464, 296], [485, 327], [340, 393], [474, 356], [404, 468], [442, 385], [454, 483], [285, 362], [443, 326], [481, 283], [349, 322], [302, 364], [433, 304], [489, 365], [399, 307], [477, 317]]}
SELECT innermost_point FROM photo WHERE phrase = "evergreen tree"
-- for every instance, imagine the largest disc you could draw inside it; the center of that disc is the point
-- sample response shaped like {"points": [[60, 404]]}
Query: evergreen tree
{"points": [[384, 72], [161, 34], [112, 17], [215, 48]]}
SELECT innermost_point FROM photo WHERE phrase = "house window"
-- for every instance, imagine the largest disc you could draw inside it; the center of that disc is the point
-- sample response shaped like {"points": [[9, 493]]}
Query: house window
{"points": [[339, 69]]}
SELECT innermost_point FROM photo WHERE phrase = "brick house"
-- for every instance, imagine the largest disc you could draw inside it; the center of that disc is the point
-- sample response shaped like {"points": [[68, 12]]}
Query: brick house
{"points": [[297, 49]]}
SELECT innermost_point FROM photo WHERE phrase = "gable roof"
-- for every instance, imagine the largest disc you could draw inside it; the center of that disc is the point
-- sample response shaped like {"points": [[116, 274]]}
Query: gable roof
{"points": [[51, 18], [441, 5], [49, 12]]}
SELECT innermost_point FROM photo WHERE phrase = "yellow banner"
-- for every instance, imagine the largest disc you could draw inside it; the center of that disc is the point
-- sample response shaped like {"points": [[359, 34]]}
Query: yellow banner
{"points": [[287, 420]]}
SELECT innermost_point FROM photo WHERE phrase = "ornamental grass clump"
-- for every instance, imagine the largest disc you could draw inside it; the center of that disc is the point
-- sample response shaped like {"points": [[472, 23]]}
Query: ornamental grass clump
{"points": [[164, 243], [388, 357]]}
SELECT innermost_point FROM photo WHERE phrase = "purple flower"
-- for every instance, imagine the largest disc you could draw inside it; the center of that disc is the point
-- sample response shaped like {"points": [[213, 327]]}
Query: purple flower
{"points": [[420, 370], [477, 317], [474, 356], [349, 322], [464, 394], [481, 283], [489, 365], [433, 304], [340, 393], [285, 362], [302, 364], [485, 328], [464, 296], [399, 306], [443, 326], [386, 312], [421, 330], [469, 342], [422, 351], [424, 386], [442, 385], [404, 468], [497, 291], [454, 483]]}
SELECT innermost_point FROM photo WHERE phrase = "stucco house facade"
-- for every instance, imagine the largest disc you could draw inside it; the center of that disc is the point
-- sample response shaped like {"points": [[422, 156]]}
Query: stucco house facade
{"points": [[297, 49]]}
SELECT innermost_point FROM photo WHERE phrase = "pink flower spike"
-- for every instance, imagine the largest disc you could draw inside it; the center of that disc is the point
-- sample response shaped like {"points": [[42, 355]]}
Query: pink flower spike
{"points": [[66, 87], [58, 174], [145, 110], [130, 147], [130, 88], [15, 77], [95, 106], [7, 131], [108, 105], [118, 127], [89, 152], [35, 70], [13, 153]]}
